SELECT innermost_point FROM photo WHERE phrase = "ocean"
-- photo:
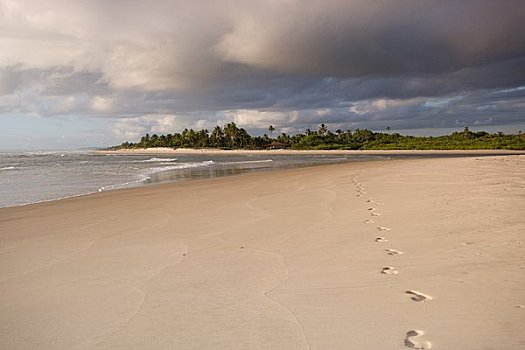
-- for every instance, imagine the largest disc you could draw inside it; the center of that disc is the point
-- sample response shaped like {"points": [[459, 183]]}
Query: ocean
{"points": [[31, 177]]}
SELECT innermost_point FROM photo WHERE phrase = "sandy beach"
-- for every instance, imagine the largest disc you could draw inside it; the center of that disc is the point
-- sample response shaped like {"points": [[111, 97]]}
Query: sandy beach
{"points": [[419, 253]]}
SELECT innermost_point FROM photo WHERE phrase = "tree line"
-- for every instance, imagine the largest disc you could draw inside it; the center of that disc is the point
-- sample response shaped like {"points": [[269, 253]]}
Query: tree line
{"points": [[231, 137]]}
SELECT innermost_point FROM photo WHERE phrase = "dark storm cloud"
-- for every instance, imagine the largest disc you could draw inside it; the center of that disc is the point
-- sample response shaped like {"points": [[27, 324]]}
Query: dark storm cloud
{"points": [[270, 91], [356, 38]]}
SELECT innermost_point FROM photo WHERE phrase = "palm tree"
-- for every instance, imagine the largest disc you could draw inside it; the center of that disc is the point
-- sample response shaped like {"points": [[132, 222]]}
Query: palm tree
{"points": [[231, 131], [202, 137], [322, 130], [217, 137], [144, 141], [271, 129], [339, 133], [243, 137]]}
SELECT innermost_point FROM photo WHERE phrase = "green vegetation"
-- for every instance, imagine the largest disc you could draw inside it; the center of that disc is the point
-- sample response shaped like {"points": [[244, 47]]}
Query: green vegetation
{"points": [[232, 137]]}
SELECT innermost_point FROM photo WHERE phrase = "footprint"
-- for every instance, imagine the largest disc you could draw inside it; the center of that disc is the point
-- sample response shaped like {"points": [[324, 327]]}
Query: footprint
{"points": [[375, 214], [381, 228], [413, 343], [369, 221], [381, 240], [389, 270], [393, 252], [418, 296]]}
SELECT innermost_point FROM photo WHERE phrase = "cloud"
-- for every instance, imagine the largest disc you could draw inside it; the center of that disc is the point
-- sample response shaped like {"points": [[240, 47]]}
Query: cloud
{"points": [[100, 103], [173, 44], [134, 127], [359, 38], [364, 63]]}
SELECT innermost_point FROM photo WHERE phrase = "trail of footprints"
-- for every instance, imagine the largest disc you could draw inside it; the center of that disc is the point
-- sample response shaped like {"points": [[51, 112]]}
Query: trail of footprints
{"points": [[414, 339]]}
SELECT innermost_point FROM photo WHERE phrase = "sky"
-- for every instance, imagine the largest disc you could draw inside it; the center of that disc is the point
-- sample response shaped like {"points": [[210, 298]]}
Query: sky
{"points": [[92, 73]]}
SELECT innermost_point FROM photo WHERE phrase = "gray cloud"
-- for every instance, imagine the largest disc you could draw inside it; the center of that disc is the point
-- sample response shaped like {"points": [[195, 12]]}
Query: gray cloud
{"points": [[357, 38], [292, 63]]}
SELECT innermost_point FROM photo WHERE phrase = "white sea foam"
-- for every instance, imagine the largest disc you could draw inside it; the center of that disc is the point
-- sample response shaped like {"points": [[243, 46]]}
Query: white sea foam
{"points": [[50, 153], [8, 168], [157, 160], [179, 166], [121, 185]]}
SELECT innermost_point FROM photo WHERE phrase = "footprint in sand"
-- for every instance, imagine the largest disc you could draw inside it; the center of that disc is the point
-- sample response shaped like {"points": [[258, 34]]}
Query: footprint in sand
{"points": [[375, 214], [381, 228], [369, 221], [371, 209], [389, 270], [412, 341], [393, 252], [381, 240], [418, 296]]}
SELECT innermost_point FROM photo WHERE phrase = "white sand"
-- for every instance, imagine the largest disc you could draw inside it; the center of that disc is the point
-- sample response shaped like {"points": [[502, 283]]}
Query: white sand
{"points": [[283, 260]]}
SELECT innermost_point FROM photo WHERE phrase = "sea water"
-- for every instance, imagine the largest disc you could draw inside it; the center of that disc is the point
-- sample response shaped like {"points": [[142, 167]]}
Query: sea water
{"points": [[31, 177]]}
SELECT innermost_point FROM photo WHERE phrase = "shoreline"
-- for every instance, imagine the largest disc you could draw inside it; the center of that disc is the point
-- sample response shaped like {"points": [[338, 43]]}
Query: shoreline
{"points": [[164, 151], [190, 152], [396, 252], [161, 150], [141, 185], [185, 151]]}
